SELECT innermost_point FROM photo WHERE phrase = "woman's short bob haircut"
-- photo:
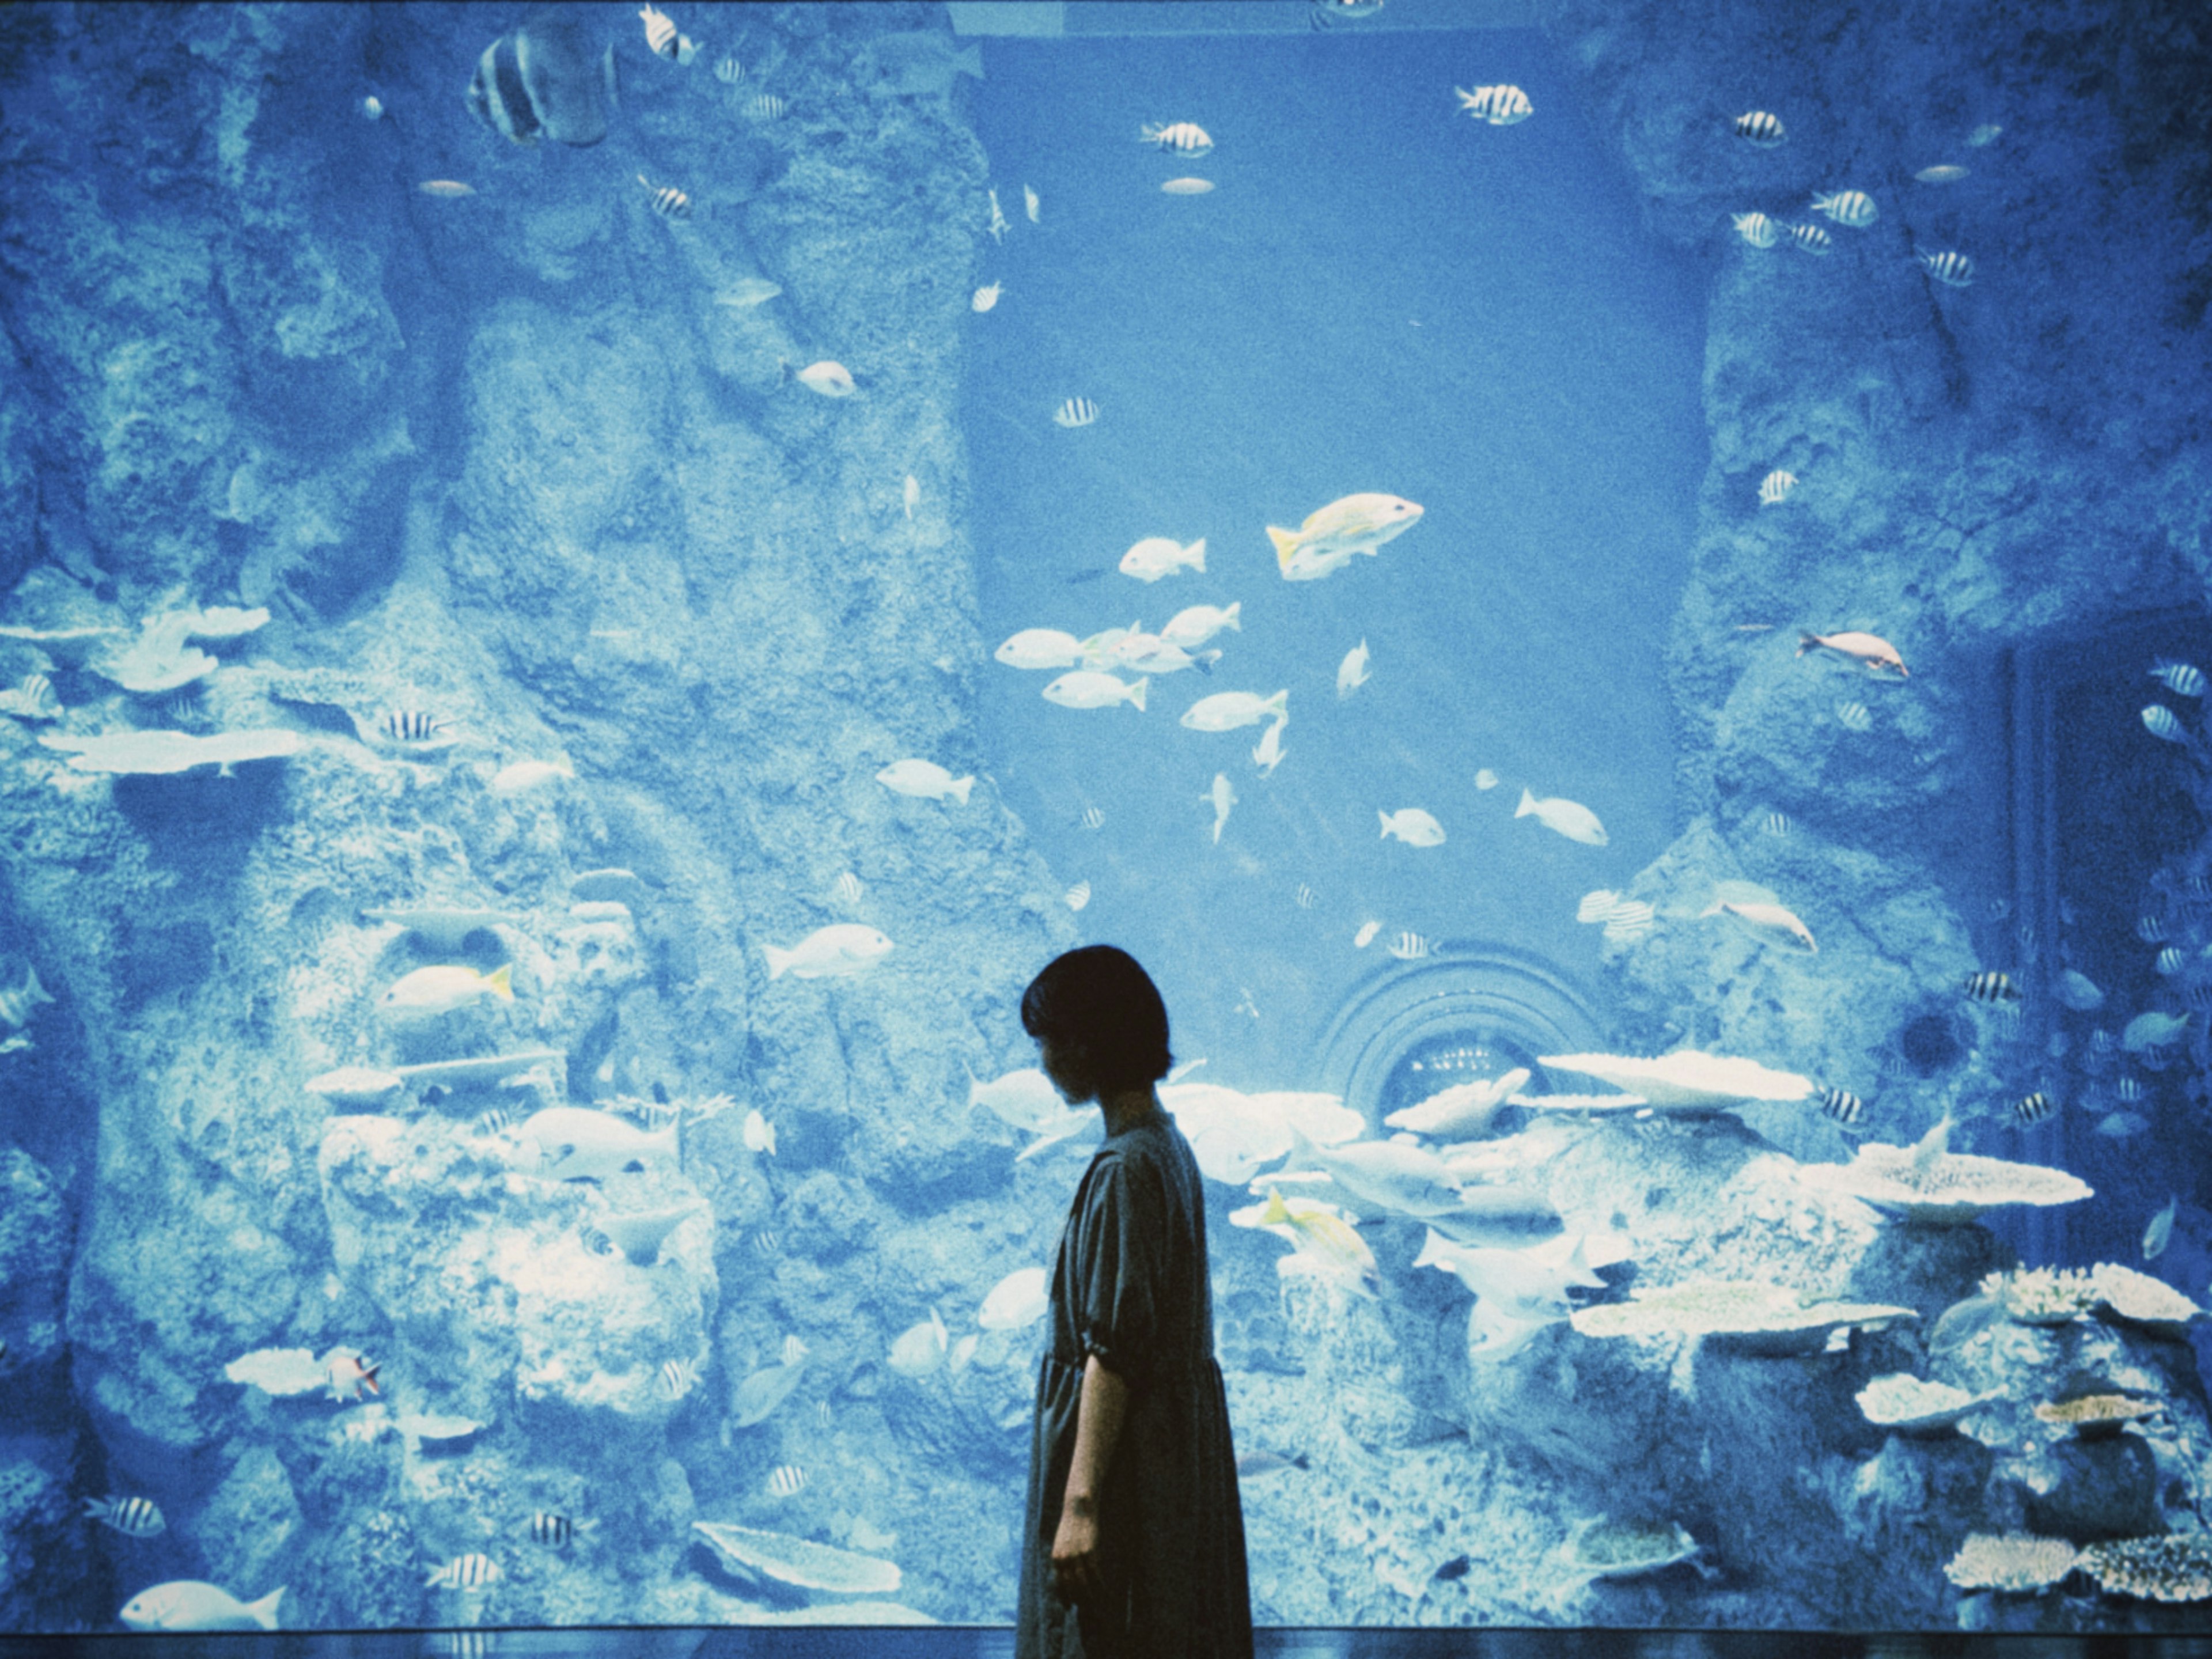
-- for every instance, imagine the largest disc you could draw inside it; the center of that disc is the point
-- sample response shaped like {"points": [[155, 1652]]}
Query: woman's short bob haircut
{"points": [[1101, 1011]]}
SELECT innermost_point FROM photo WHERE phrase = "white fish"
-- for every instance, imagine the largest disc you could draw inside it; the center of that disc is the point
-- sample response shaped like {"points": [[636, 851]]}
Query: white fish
{"points": [[842, 948], [1099, 649], [578, 1143], [1267, 754], [921, 1348], [1031, 204], [747, 292], [1562, 816], [1088, 689], [1183, 137], [2122, 1126], [2152, 1030], [849, 889], [1946, 173], [1040, 648], [1194, 625], [2078, 992], [1486, 779], [759, 1395], [1159, 556], [1770, 924], [925, 780], [520, 776], [1598, 906], [913, 495], [1222, 798], [1522, 1284], [660, 32], [1076, 411], [831, 379], [1409, 947], [1023, 1100], [1389, 1175], [1756, 230], [787, 1480], [1986, 134], [428, 992], [1017, 1300], [998, 226], [759, 1133], [1332, 535], [1774, 488], [1461, 1112], [372, 108], [1225, 711], [963, 1353], [1148, 653], [1365, 936], [2159, 1233], [1077, 895], [1851, 208], [188, 1604], [1412, 825], [1351, 672], [986, 297]]}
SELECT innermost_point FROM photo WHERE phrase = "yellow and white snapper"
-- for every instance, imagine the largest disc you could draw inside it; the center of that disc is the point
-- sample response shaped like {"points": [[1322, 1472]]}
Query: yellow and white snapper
{"points": [[428, 992], [1332, 534], [838, 950]]}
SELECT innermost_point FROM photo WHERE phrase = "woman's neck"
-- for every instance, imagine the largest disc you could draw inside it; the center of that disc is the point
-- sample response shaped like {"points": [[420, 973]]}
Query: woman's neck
{"points": [[1127, 1108]]}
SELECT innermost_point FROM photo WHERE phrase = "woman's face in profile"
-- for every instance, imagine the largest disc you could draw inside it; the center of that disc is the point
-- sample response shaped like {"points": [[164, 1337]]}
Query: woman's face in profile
{"points": [[1066, 1070]]}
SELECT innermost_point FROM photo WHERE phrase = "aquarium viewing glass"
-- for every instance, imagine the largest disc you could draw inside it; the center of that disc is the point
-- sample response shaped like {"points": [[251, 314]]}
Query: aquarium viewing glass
{"points": [[1610, 594]]}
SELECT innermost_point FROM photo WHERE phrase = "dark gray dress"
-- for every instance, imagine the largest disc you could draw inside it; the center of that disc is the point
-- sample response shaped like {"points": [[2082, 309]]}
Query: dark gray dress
{"points": [[1130, 1285]]}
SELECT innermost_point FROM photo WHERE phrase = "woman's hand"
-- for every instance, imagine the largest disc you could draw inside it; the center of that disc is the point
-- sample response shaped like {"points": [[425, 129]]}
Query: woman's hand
{"points": [[1075, 1550]]}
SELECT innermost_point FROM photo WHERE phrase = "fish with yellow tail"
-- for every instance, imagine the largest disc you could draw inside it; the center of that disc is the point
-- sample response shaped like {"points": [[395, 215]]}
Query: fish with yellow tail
{"points": [[1327, 539], [1871, 651], [1756, 913], [1319, 1233], [428, 992]]}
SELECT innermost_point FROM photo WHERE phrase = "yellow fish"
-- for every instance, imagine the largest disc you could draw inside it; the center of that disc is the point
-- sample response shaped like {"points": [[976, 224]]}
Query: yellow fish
{"points": [[1320, 1232], [430, 992], [1327, 539]]}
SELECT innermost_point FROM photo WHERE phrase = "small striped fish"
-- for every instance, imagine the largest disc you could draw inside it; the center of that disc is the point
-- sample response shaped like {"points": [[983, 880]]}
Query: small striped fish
{"points": [[1076, 411], [2183, 679], [2031, 1109], [1774, 488], [472, 1571], [1183, 137], [1841, 1106], [1811, 239], [1853, 209], [557, 1530], [2199, 995], [660, 33], [1306, 898], [764, 1242], [496, 1122], [1991, 986], [1949, 267], [33, 699], [729, 71], [823, 1417], [668, 201], [1500, 106], [678, 1377], [1093, 818], [1630, 920], [134, 1517], [1077, 895], [1598, 906], [1409, 947], [788, 1482], [2164, 724], [2102, 1041], [1756, 230], [1758, 127], [1776, 824], [1855, 716], [2169, 961], [2150, 927], [410, 726], [998, 227], [767, 106], [2129, 1090], [849, 890]]}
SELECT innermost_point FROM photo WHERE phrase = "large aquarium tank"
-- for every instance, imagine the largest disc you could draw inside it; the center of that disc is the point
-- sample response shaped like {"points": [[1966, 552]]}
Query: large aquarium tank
{"points": [[1612, 594]]}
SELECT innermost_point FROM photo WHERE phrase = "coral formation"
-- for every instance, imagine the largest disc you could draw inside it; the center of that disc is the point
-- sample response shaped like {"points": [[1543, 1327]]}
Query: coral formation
{"points": [[2136, 1298], [1758, 1316], [2093, 1415], [2042, 1296], [1905, 1403], [2016, 1563], [2176, 1567], [1626, 1549], [158, 754], [1953, 1190]]}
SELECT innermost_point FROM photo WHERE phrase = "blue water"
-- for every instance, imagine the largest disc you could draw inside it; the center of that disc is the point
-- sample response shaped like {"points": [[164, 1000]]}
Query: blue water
{"points": [[1380, 294]]}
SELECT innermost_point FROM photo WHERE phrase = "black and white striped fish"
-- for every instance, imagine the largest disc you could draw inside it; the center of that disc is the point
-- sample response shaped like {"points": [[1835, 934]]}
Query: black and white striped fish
{"points": [[1305, 898], [1855, 716], [1500, 106], [2150, 927], [2129, 1090], [1949, 267], [1756, 230], [2183, 679], [1841, 1106], [2169, 961], [1093, 818], [1076, 411], [1774, 488], [1852, 208], [1409, 947], [2031, 1109], [1776, 824], [494, 1123], [767, 106], [678, 1377], [1811, 239], [410, 726], [729, 71], [134, 1517], [472, 1571], [668, 201], [1991, 986], [2165, 724], [660, 32], [1758, 127], [1183, 137], [787, 1481], [557, 1530]]}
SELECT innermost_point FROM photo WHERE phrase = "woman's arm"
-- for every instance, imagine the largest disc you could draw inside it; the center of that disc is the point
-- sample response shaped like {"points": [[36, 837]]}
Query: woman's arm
{"points": [[1098, 1414]]}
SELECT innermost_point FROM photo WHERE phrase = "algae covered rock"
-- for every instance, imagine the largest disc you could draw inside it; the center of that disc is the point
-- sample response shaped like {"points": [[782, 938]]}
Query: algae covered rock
{"points": [[157, 754], [750, 1551]]}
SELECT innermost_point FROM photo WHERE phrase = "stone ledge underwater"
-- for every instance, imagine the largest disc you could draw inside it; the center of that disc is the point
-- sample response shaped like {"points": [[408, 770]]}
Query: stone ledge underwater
{"points": [[513, 1100]]}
